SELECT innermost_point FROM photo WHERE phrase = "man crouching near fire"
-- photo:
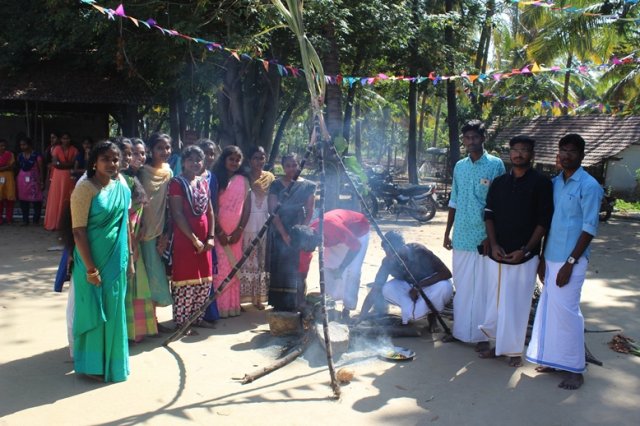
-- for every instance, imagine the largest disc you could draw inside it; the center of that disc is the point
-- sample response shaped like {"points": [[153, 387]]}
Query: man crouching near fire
{"points": [[428, 270]]}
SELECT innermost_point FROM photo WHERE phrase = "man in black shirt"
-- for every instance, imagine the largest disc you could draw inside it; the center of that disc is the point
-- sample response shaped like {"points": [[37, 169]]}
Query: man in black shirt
{"points": [[428, 270], [517, 216]]}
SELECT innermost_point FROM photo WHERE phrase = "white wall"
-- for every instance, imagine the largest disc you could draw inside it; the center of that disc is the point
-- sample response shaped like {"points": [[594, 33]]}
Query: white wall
{"points": [[621, 174]]}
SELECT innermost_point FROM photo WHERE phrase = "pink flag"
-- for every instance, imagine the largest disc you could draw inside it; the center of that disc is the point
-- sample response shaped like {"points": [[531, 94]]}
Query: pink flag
{"points": [[120, 10]]}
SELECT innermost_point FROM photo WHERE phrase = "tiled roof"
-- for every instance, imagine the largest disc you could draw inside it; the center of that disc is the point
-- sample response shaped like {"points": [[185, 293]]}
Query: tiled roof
{"points": [[605, 136], [60, 85]]}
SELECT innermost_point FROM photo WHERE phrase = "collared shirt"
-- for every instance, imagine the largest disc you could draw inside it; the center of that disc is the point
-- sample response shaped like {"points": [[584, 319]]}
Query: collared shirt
{"points": [[577, 204], [471, 181], [420, 261], [517, 206]]}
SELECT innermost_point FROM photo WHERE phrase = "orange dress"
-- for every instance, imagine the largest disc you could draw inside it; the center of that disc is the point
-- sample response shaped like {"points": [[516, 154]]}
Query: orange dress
{"points": [[60, 188]]}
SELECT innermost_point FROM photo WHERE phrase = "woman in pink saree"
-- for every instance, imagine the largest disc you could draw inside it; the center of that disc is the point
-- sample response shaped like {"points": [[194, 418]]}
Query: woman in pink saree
{"points": [[234, 207]]}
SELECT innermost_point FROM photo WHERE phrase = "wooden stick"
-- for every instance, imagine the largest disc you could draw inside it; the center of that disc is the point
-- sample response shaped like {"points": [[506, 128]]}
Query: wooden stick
{"points": [[295, 353], [224, 284], [335, 386]]}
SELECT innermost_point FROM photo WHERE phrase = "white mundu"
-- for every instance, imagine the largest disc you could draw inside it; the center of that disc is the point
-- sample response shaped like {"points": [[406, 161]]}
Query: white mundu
{"points": [[508, 308], [346, 286], [397, 292], [470, 301], [557, 339]]}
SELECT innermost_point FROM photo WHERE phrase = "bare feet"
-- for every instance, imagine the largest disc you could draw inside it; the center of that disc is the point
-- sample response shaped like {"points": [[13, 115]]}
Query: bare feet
{"points": [[205, 324], [515, 361], [482, 347], [448, 338], [543, 369], [95, 377], [165, 329], [572, 382], [491, 353]]}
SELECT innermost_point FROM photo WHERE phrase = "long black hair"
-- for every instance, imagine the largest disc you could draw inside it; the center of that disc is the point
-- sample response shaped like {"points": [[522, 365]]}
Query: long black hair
{"points": [[220, 170], [99, 149], [153, 141]]}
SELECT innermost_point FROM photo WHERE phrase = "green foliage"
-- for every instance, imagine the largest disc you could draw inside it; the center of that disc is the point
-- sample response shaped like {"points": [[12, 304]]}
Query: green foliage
{"points": [[628, 206]]}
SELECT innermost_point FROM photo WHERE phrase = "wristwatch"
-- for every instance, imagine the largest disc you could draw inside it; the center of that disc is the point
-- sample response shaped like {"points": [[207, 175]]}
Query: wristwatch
{"points": [[571, 260]]}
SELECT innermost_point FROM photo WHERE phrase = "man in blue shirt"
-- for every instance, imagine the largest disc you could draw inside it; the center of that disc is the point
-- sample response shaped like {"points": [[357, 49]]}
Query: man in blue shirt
{"points": [[557, 341], [472, 177]]}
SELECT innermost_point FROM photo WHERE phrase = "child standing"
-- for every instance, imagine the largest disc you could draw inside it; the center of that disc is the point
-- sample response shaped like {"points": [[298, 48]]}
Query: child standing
{"points": [[7, 182], [30, 180]]}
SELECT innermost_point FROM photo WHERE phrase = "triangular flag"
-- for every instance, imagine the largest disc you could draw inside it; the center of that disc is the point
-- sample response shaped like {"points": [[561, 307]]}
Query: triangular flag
{"points": [[120, 10], [265, 64], [135, 21], [472, 77], [235, 55], [100, 9], [535, 68]]}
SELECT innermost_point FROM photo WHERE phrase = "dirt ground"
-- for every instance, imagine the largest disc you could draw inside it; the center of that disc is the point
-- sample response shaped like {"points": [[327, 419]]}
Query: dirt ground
{"points": [[195, 380]]}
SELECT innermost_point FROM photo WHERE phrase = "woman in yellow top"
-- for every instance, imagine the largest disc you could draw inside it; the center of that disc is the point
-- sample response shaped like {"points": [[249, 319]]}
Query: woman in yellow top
{"points": [[7, 182]]}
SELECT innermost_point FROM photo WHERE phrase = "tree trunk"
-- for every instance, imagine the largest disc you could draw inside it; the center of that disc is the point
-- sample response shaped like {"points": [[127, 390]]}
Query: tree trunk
{"points": [[565, 91], [452, 111], [412, 145], [333, 116], [482, 51], [358, 135], [423, 114], [174, 119], [436, 126], [275, 147], [412, 142], [206, 117]]}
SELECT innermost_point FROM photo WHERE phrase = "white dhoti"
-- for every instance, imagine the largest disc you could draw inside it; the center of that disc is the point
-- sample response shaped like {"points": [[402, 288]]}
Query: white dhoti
{"points": [[397, 292], [509, 306], [346, 286], [558, 330], [470, 301]]}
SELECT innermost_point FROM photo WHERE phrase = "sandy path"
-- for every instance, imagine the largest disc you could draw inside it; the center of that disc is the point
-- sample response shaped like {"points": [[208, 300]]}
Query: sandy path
{"points": [[193, 380]]}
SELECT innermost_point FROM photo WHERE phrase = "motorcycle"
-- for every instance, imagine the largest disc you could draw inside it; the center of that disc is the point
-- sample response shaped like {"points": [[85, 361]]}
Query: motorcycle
{"points": [[419, 201], [606, 207]]}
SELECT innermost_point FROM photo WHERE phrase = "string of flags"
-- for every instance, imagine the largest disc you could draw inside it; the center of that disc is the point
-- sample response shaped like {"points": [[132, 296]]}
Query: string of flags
{"points": [[587, 11], [555, 106], [433, 77]]}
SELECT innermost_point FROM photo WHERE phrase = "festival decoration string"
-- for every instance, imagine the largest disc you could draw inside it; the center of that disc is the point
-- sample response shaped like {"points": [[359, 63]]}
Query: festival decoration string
{"points": [[435, 78]]}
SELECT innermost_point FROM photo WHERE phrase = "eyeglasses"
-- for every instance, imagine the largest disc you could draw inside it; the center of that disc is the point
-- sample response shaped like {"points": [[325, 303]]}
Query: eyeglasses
{"points": [[521, 150]]}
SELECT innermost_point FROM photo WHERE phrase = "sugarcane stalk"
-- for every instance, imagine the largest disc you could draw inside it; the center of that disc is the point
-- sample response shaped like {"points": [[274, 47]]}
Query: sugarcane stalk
{"points": [[335, 386], [288, 359]]}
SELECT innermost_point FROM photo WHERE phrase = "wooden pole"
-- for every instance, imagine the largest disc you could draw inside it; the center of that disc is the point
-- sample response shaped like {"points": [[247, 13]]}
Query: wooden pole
{"points": [[335, 386]]}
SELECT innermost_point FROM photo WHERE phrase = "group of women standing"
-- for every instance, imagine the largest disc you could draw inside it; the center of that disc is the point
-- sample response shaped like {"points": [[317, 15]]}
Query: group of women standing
{"points": [[146, 238]]}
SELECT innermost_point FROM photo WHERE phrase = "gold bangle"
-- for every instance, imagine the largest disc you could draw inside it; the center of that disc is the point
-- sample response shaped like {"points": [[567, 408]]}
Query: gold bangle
{"points": [[93, 274]]}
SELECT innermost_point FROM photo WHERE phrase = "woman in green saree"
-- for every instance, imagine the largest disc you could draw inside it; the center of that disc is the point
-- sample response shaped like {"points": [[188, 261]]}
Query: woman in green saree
{"points": [[99, 206]]}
